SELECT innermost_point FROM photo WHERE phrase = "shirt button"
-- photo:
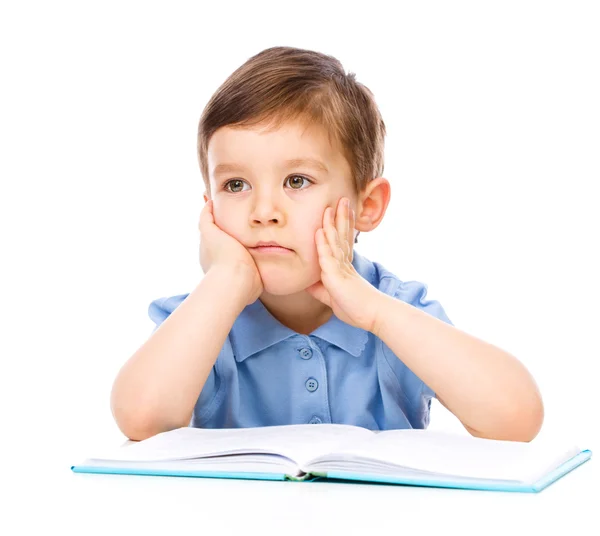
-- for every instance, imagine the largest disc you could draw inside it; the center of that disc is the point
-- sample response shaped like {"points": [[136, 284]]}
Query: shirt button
{"points": [[306, 353], [311, 384], [315, 420]]}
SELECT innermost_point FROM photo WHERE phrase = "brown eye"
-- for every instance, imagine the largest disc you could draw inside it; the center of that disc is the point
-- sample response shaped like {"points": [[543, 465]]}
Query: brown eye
{"points": [[235, 183], [297, 179]]}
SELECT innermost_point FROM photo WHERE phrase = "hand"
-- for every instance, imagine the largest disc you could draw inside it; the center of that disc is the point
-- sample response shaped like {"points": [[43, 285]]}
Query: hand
{"points": [[219, 249], [351, 297]]}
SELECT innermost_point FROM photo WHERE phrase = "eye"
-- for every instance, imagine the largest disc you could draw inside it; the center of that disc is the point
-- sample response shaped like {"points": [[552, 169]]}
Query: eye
{"points": [[237, 183], [302, 177]]}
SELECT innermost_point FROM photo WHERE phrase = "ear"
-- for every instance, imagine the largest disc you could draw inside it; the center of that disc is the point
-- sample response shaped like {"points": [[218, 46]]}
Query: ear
{"points": [[372, 204]]}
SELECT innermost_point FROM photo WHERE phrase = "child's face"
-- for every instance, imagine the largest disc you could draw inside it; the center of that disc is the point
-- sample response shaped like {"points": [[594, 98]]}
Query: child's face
{"points": [[264, 199]]}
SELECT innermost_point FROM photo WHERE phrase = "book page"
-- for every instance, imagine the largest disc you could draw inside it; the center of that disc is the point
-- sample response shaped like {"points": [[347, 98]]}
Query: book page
{"points": [[233, 463], [445, 453], [298, 442]]}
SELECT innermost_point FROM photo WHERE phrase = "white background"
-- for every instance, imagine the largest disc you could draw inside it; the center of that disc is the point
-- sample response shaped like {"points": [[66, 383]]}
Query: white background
{"points": [[493, 117]]}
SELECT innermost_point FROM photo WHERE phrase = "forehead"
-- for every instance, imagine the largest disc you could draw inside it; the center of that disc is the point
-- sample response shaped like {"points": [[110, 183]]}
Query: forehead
{"points": [[261, 146]]}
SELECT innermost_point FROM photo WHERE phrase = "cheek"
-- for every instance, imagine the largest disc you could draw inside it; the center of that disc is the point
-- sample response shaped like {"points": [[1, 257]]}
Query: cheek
{"points": [[228, 221], [306, 227]]}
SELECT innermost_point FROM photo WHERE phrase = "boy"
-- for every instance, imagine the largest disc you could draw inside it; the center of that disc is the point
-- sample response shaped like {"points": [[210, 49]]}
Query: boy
{"points": [[306, 330]]}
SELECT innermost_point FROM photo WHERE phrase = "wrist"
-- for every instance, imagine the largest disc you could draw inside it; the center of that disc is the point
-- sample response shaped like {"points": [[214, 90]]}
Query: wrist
{"points": [[235, 281], [381, 315]]}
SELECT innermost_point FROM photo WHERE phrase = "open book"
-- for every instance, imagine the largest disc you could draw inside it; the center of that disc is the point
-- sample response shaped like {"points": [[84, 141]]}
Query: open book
{"points": [[308, 452]]}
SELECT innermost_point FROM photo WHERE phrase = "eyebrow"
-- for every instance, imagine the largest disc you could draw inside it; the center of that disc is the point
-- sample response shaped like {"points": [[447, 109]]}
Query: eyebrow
{"points": [[292, 163]]}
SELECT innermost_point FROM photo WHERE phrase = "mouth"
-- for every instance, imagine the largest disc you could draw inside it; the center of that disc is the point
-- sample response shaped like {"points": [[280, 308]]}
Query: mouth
{"points": [[271, 249]]}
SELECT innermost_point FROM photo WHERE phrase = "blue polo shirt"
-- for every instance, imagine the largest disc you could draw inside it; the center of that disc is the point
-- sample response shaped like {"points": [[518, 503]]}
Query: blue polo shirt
{"points": [[267, 374]]}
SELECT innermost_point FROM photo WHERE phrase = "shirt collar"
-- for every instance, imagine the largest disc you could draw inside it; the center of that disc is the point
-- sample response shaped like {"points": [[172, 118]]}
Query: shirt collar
{"points": [[256, 329]]}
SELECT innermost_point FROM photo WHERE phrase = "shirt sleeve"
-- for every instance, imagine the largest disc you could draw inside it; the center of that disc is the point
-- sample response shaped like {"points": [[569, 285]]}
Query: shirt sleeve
{"points": [[160, 309], [417, 392]]}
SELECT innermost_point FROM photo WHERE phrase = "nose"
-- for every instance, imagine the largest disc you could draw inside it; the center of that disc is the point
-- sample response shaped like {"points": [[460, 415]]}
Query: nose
{"points": [[265, 211]]}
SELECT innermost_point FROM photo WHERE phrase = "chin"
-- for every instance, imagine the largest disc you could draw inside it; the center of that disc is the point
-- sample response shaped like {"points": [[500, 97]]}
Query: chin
{"points": [[282, 282], [280, 286]]}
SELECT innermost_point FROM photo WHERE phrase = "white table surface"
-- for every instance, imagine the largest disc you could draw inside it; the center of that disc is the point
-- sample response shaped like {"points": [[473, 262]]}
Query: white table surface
{"points": [[45, 498]]}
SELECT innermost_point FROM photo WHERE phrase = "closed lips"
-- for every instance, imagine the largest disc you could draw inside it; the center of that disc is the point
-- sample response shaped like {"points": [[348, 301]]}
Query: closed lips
{"points": [[269, 244]]}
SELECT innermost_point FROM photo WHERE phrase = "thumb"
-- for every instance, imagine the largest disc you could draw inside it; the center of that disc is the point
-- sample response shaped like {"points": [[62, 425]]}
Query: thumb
{"points": [[319, 292]]}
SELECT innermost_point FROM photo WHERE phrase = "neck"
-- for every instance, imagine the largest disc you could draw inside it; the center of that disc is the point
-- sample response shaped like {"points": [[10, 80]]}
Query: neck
{"points": [[299, 312]]}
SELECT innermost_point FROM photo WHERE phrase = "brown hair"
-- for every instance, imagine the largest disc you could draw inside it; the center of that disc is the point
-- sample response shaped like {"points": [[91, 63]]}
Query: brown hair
{"points": [[281, 84]]}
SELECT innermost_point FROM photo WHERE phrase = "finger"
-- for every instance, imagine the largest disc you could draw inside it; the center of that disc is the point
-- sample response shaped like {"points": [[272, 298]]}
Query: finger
{"points": [[204, 211], [331, 235], [206, 216], [319, 292], [327, 260], [351, 223], [342, 228], [323, 247], [206, 206], [348, 226]]}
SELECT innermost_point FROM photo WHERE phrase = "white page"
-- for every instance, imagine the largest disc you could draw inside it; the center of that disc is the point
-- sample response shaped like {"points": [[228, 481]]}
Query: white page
{"points": [[468, 456], [298, 442], [245, 463]]}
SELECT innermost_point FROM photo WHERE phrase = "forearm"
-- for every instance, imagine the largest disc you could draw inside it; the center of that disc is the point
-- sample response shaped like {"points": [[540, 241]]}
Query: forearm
{"points": [[157, 388], [488, 389]]}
